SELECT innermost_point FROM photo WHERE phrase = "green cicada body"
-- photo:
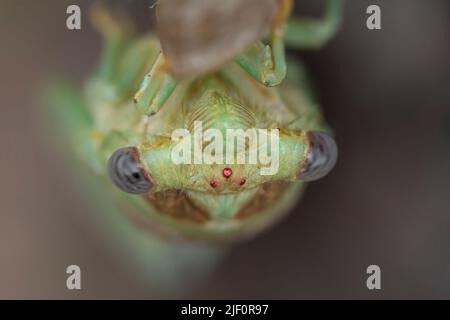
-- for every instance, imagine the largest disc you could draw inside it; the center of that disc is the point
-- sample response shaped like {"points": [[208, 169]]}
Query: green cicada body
{"points": [[167, 146], [218, 200]]}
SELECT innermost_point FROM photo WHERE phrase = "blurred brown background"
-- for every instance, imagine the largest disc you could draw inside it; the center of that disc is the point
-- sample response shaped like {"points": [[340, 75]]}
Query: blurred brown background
{"points": [[387, 94]]}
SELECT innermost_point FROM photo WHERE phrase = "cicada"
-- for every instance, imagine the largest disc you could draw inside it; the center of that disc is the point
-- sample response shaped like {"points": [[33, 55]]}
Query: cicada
{"points": [[124, 123]]}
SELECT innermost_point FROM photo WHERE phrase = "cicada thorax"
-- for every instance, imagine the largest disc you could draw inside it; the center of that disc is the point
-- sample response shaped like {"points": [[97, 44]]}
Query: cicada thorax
{"points": [[218, 110]]}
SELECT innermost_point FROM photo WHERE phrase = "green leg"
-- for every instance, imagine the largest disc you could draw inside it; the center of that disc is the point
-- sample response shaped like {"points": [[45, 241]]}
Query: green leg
{"points": [[314, 33], [118, 78], [156, 88], [134, 64], [116, 31], [266, 64], [124, 62], [113, 48]]}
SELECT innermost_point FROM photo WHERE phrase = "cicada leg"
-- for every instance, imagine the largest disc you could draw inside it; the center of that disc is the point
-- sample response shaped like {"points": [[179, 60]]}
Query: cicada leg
{"points": [[116, 33], [124, 59], [134, 64], [314, 33], [157, 87], [267, 63]]}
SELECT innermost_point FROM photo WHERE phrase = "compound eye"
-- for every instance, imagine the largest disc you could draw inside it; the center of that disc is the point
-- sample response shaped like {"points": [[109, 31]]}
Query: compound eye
{"points": [[321, 158], [127, 172]]}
